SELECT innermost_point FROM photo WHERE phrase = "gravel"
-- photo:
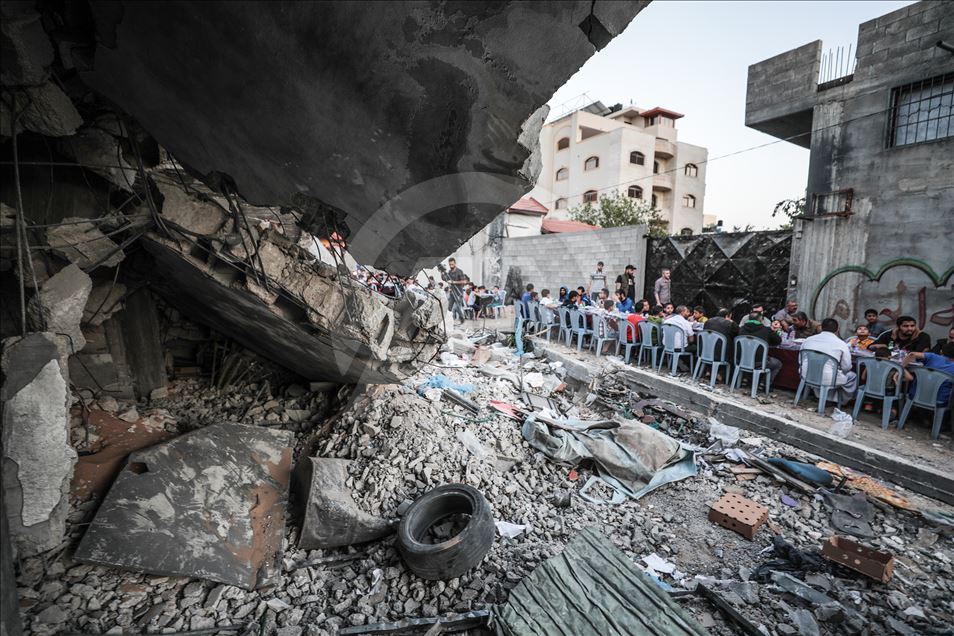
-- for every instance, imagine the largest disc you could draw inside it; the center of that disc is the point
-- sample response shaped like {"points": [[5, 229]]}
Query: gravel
{"points": [[403, 444]]}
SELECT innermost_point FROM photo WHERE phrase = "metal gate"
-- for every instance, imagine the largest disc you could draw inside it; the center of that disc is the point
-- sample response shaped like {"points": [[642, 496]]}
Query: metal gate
{"points": [[723, 270]]}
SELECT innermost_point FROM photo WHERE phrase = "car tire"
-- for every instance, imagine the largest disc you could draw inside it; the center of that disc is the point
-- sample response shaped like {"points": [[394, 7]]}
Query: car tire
{"points": [[460, 553]]}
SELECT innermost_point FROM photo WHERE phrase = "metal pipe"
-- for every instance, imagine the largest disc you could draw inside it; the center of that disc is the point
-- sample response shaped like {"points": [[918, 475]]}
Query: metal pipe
{"points": [[941, 44]]}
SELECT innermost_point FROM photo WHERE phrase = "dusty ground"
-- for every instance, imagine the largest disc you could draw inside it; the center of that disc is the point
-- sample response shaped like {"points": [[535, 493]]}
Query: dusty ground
{"points": [[403, 444]]}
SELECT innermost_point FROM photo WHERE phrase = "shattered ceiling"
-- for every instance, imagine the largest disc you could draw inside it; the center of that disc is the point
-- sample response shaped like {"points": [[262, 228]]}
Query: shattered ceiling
{"points": [[410, 126]]}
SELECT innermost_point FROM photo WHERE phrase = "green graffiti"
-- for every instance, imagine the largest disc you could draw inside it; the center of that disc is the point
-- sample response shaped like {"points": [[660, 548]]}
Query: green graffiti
{"points": [[937, 279]]}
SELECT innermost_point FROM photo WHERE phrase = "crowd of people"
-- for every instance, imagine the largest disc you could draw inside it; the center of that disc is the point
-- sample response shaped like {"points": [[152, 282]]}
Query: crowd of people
{"points": [[787, 327]]}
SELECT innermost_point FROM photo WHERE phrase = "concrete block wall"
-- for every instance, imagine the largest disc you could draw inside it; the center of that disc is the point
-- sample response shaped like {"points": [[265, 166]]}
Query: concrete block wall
{"points": [[782, 85], [551, 260]]}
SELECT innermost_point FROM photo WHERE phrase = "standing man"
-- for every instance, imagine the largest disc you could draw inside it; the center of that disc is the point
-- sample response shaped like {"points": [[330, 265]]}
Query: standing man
{"points": [[597, 278], [663, 288], [626, 282], [456, 280]]}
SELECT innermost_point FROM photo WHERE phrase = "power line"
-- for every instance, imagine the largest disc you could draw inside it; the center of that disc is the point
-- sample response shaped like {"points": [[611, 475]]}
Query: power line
{"points": [[725, 156]]}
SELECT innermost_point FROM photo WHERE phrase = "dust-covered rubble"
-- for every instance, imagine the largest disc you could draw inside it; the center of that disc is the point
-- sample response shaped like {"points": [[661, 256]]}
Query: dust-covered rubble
{"points": [[404, 443]]}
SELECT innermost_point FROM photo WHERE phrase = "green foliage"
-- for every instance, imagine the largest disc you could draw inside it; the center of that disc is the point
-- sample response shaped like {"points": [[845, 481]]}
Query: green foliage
{"points": [[619, 210], [790, 209]]}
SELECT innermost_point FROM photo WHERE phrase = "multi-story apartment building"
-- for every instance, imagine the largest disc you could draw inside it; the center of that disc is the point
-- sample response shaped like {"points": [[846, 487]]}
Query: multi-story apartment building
{"points": [[599, 151]]}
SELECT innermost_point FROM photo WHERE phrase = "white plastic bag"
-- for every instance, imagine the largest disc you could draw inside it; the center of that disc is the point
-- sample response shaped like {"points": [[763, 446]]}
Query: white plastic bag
{"points": [[842, 425]]}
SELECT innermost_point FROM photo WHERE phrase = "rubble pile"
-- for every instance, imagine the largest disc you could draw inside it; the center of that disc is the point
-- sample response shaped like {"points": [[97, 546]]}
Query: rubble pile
{"points": [[403, 440]]}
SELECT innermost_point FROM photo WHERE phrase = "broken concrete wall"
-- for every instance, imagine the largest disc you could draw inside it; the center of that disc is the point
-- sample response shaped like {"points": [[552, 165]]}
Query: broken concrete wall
{"points": [[37, 457]]}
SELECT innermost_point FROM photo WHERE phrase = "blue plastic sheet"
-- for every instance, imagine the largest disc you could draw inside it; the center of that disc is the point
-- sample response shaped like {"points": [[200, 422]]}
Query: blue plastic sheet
{"points": [[441, 381]]}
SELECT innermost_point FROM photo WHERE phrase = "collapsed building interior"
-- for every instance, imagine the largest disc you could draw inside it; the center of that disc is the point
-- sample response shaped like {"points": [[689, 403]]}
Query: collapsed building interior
{"points": [[203, 412]]}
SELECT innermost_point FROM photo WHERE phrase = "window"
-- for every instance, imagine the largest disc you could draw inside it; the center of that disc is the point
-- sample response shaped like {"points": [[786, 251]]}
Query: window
{"points": [[650, 121], [560, 204], [638, 158], [686, 231], [635, 192], [689, 201], [837, 202], [922, 111], [563, 143], [692, 170], [655, 167], [592, 163], [589, 196], [562, 174], [655, 201]]}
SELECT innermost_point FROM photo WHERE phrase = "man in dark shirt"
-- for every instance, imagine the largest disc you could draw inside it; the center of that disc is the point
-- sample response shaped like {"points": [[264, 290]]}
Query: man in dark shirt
{"points": [[753, 327], [457, 279], [627, 282], [875, 328], [905, 336], [721, 323]]}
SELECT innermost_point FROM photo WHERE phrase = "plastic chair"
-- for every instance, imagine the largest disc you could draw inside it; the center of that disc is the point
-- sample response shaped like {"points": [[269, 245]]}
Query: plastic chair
{"points": [[566, 327], [878, 374], [626, 338], [708, 343], [597, 341], [927, 387], [578, 328], [670, 334], [815, 364], [648, 334], [549, 320], [747, 350], [535, 318]]}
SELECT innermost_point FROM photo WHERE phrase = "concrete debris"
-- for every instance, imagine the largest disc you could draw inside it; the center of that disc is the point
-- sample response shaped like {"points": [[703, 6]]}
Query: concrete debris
{"points": [[209, 504], [202, 218], [104, 300], [83, 244], [95, 147], [275, 299], [37, 457], [399, 445], [329, 516], [58, 308], [43, 109]]}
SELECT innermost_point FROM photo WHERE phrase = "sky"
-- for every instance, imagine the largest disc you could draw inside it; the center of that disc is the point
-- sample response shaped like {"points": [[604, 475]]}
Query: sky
{"points": [[693, 57]]}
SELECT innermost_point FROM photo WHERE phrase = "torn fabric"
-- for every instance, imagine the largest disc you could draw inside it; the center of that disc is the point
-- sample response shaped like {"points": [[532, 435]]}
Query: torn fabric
{"points": [[631, 457]]}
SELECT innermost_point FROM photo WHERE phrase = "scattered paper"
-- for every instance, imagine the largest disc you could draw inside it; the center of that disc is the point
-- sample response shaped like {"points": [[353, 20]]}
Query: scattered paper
{"points": [[509, 530]]}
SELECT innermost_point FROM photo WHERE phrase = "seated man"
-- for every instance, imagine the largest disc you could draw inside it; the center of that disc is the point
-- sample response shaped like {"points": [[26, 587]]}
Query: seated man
{"points": [[724, 325], [827, 341], [624, 304], [668, 309], [602, 330], [545, 299], [875, 328], [805, 328], [680, 318], [759, 308], [861, 339], [785, 315], [943, 361], [572, 300], [584, 298], [657, 314], [940, 343], [634, 319], [698, 314], [905, 335], [753, 326]]}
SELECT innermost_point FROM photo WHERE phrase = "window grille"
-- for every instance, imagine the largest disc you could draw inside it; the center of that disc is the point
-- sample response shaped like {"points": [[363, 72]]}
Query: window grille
{"points": [[922, 111]]}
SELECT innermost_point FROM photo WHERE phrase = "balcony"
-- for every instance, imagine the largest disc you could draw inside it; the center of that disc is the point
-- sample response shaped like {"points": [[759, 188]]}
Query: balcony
{"points": [[662, 182], [665, 149]]}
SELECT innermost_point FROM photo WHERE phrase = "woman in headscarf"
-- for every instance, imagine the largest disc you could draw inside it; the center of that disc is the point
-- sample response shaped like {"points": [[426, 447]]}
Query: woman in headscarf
{"points": [[562, 295]]}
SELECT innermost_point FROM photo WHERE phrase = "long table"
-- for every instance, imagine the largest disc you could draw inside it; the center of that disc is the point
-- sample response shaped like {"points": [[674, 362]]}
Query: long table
{"points": [[788, 377]]}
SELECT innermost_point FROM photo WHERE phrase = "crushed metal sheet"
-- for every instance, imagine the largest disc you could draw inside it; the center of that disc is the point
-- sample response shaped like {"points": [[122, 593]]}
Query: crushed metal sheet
{"points": [[209, 504], [591, 588]]}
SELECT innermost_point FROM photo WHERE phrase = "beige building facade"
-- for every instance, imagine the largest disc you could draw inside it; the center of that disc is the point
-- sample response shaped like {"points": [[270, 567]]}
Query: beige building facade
{"points": [[598, 151]]}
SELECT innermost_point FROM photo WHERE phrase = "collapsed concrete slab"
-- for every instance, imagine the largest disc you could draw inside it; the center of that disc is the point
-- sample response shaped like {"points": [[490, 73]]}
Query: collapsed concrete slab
{"points": [[263, 290], [421, 135], [37, 457], [210, 504], [58, 308], [330, 518]]}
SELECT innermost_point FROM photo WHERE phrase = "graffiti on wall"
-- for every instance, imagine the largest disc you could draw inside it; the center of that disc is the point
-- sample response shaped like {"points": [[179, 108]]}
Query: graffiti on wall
{"points": [[893, 291]]}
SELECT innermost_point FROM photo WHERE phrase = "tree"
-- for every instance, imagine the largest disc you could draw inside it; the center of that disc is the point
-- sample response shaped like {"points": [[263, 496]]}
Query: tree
{"points": [[791, 209], [617, 210]]}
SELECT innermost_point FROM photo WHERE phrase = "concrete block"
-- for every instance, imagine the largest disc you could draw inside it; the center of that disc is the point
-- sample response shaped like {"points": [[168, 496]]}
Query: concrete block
{"points": [[922, 30], [59, 306], [26, 50], [38, 460]]}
